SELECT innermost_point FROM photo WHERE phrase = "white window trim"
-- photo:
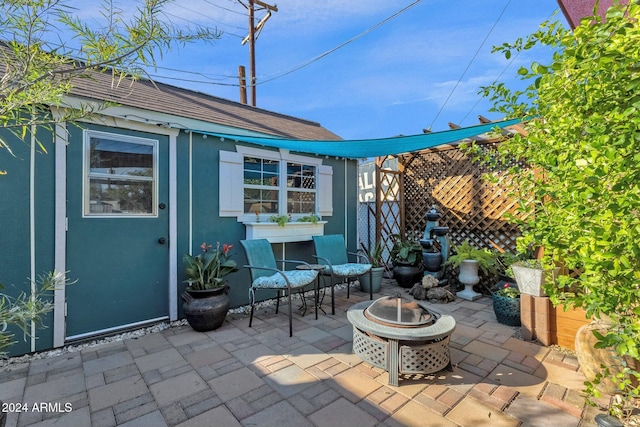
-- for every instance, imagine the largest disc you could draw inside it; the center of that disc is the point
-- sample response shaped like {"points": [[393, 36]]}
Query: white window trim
{"points": [[282, 155], [87, 134]]}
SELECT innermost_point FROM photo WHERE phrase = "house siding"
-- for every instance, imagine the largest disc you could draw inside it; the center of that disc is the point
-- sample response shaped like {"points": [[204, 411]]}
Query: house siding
{"points": [[206, 225], [15, 235]]}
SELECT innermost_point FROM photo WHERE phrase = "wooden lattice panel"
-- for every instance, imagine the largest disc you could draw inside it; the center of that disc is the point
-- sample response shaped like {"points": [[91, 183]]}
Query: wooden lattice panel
{"points": [[390, 208], [473, 208]]}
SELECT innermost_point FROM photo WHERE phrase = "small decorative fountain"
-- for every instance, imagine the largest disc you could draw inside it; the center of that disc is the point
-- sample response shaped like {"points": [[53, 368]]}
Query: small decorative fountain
{"points": [[435, 237]]}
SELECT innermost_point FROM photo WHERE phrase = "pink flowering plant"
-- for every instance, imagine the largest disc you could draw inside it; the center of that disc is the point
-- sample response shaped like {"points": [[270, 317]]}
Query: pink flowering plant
{"points": [[508, 291], [208, 269]]}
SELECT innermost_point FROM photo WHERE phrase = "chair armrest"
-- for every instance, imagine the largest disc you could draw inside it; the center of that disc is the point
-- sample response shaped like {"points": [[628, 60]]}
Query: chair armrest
{"points": [[360, 256], [326, 261]]}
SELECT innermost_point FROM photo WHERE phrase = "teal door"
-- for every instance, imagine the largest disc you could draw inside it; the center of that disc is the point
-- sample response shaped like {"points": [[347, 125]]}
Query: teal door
{"points": [[118, 226]]}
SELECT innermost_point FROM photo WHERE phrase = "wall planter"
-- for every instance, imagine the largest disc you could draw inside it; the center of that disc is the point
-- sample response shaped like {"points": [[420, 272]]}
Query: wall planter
{"points": [[291, 232]]}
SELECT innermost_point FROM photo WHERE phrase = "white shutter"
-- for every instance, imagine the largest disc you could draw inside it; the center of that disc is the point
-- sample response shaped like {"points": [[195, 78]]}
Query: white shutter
{"points": [[231, 192], [325, 190]]}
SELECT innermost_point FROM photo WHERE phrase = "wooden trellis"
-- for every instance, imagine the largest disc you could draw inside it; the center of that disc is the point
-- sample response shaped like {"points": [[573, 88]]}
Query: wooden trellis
{"points": [[473, 208]]}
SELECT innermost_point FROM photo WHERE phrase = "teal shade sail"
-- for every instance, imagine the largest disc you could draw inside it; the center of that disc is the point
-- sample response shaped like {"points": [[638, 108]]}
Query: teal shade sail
{"points": [[363, 148]]}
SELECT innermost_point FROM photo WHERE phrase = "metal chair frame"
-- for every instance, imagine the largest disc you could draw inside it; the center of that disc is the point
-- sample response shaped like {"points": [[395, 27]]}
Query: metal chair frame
{"points": [[268, 266], [338, 257]]}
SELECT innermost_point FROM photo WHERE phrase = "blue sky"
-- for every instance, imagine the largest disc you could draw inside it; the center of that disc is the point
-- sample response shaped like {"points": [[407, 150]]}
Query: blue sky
{"points": [[396, 79]]}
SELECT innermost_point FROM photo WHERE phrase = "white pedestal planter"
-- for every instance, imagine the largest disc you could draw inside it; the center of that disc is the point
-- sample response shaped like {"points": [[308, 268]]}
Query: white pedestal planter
{"points": [[468, 276]]}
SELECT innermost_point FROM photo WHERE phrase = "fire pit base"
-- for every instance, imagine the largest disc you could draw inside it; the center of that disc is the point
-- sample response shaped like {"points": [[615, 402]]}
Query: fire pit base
{"points": [[399, 350]]}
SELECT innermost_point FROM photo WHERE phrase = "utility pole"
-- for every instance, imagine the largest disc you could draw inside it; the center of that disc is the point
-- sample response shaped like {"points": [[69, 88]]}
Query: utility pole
{"points": [[254, 31], [243, 84]]}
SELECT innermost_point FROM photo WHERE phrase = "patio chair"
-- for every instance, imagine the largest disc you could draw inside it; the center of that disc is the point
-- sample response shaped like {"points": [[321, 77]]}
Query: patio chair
{"points": [[331, 251], [265, 275]]}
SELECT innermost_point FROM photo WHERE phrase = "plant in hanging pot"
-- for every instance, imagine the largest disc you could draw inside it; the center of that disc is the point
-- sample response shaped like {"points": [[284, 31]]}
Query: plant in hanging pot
{"points": [[506, 304], [375, 256], [406, 256], [205, 299], [470, 261]]}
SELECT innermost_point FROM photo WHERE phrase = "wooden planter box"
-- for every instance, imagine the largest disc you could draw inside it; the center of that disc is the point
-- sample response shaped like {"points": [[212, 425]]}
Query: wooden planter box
{"points": [[549, 325], [564, 325]]}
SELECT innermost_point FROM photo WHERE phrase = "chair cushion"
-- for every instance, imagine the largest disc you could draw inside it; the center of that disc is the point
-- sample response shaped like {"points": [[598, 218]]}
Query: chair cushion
{"points": [[297, 278], [349, 270]]}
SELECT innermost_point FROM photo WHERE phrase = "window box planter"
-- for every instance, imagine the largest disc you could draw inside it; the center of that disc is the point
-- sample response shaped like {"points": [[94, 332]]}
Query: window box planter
{"points": [[291, 232]]}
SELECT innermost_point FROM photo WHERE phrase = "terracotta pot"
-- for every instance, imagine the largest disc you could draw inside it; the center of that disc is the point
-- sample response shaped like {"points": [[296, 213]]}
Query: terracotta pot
{"points": [[206, 309], [591, 358]]}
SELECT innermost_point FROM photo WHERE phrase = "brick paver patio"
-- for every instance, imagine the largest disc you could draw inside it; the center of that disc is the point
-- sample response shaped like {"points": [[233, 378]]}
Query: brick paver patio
{"points": [[241, 376]]}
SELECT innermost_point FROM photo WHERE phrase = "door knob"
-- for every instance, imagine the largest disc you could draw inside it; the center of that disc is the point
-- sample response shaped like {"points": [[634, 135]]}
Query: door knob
{"points": [[162, 240]]}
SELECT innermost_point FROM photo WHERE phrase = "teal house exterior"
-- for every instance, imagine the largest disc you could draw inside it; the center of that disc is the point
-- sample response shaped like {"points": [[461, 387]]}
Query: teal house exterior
{"points": [[120, 197]]}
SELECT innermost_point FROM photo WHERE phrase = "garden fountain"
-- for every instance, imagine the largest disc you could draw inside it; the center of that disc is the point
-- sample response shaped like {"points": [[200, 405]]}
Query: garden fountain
{"points": [[436, 246]]}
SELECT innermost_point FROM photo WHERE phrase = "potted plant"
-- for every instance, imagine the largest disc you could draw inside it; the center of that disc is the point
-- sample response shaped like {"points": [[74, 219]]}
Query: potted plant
{"points": [[530, 277], [205, 299], [406, 256], [470, 260], [506, 304], [281, 220], [375, 256], [504, 263]]}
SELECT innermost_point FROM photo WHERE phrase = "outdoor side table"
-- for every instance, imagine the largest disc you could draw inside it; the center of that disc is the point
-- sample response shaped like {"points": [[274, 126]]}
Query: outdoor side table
{"points": [[316, 288]]}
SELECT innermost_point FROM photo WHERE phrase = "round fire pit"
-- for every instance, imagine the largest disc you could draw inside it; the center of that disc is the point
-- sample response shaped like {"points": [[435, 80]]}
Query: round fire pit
{"points": [[401, 336]]}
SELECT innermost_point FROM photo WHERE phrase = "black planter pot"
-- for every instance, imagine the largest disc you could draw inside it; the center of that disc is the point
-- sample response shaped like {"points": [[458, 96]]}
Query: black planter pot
{"points": [[407, 275], [206, 310]]}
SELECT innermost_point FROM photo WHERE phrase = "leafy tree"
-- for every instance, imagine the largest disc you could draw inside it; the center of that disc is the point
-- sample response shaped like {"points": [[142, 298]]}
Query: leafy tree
{"points": [[582, 149], [45, 47]]}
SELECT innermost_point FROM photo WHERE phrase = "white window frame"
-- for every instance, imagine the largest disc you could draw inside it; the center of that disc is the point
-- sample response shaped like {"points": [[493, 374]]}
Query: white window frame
{"points": [[86, 171], [229, 183]]}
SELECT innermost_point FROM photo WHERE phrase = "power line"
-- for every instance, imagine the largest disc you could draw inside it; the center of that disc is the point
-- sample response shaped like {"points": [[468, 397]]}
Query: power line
{"points": [[225, 8], [317, 58], [195, 23], [469, 64], [309, 62], [509, 63]]}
